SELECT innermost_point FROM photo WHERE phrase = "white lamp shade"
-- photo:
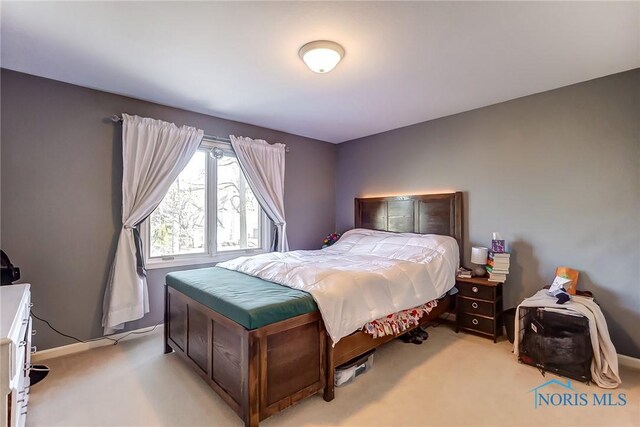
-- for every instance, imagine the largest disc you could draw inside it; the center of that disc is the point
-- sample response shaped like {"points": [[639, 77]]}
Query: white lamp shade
{"points": [[479, 255], [321, 56]]}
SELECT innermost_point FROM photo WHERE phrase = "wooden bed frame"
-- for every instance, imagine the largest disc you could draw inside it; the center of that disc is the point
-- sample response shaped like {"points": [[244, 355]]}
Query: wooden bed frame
{"points": [[262, 371]]}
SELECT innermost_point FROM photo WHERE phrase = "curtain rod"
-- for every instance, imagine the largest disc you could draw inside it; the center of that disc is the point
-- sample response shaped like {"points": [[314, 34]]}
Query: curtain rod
{"points": [[116, 119]]}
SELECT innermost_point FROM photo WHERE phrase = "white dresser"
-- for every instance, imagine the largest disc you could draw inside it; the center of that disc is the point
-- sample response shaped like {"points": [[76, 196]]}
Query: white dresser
{"points": [[15, 353]]}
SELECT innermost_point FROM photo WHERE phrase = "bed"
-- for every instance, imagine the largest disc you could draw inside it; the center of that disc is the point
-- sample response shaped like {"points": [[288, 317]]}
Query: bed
{"points": [[266, 347]]}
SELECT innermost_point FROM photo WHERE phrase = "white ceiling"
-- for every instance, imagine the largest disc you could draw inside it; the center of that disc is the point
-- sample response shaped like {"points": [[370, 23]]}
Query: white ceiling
{"points": [[405, 62]]}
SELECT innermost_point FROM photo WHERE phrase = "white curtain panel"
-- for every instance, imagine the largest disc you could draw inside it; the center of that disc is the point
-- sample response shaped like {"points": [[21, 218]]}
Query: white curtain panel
{"points": [[153, 155], [263, 166]]}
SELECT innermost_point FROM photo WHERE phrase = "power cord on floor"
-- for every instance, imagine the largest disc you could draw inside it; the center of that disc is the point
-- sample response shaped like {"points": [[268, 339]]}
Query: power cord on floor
{"points": [[439, 321], [115, 341]]}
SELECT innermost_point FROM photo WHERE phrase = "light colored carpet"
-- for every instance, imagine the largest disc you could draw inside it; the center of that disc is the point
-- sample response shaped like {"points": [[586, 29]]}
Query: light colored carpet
{"points": [[451, 380]]}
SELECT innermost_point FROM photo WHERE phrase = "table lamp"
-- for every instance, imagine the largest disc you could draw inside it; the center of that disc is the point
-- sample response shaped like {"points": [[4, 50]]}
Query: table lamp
{"points": [[479, 256]]}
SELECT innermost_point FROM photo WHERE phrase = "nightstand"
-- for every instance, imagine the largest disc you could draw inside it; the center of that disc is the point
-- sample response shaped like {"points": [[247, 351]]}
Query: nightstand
{"points": [[479, 306]]}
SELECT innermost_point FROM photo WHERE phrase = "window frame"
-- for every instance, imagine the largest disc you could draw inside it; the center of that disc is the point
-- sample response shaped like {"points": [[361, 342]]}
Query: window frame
{"points": [[211, 254]]}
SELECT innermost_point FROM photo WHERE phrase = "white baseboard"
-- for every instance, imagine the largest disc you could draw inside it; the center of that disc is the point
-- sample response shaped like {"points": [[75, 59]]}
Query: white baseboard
{"points": [[66, 350], [628, 361]]}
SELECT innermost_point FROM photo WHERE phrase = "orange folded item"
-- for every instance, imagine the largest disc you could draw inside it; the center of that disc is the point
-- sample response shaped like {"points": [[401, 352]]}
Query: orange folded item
{"points": [[570, 274]]}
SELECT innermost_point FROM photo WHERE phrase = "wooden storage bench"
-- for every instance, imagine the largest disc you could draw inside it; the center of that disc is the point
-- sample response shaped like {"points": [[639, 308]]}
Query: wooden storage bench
{"points": [[257, 372]]}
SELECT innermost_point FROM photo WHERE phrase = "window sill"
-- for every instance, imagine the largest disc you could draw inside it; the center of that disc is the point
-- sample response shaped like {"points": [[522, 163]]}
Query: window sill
{"points": [[183, 261]]}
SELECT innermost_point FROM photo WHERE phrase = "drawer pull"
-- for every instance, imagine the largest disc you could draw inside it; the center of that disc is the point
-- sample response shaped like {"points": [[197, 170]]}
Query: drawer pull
{"points": [[22, 343], [34, 349], [474, 321], [33, 332], [475, 289], [30, 304], [25, 321], [474, 304]]}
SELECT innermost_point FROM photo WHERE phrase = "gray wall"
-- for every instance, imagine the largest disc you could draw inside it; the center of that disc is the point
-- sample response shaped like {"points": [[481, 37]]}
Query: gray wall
{"points": [[61, 194], [557, 173]]}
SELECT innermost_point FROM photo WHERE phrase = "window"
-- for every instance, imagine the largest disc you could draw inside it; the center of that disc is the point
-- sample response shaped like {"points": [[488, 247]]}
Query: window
{"points": [[178, 226], [239, 213], [209, 214]]}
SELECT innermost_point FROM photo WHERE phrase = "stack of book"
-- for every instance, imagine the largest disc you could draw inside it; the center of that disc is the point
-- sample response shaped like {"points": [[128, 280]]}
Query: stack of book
{"points": [[498, 266], [463, 273]]}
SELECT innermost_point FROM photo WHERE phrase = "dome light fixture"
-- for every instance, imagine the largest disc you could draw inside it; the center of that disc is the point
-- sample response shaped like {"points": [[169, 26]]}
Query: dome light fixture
{"points": [[321, 56]]}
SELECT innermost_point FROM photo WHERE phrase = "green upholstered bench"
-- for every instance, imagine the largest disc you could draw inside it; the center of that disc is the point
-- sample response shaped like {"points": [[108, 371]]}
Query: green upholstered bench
{"points": [[247, 300], [261, 346]]}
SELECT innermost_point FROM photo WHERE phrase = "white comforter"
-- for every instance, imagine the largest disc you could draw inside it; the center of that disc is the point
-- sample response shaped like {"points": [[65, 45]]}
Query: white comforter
{"points": [[364, 276]]}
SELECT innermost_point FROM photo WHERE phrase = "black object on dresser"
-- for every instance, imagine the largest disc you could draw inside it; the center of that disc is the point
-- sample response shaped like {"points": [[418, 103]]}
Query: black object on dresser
{"points": [[479, 306], [9, 273]]}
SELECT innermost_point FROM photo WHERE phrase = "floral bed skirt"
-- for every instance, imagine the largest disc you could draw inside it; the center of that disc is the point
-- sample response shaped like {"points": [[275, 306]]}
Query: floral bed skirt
{"points": [[397, 323]]}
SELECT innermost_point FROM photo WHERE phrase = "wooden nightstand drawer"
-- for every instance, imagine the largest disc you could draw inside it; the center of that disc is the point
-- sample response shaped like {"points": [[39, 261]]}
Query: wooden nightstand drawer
{"points": [[474, 306], [479, 306], [476, 323], [475, 291]]}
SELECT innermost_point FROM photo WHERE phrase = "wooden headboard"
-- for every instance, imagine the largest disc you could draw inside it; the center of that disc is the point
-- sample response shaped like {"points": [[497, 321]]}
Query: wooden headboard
{"points": [[423, 214]]}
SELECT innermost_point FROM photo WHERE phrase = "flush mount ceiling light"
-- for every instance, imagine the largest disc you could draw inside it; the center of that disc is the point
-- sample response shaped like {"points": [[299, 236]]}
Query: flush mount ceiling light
{"points": [[321, 56]]}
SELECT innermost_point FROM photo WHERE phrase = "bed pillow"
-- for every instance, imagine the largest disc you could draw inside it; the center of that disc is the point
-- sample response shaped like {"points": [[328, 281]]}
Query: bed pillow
{"points": [[421, 248]]}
